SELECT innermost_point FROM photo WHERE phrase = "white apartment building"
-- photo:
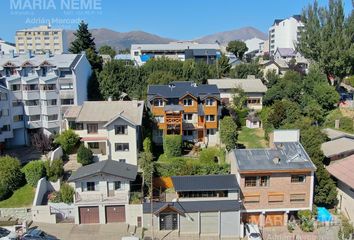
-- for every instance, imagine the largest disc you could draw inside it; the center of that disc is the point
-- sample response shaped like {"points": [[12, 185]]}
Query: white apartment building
{"points": [[6, 47], [41, 88], [41, 39], [253, 45], [111, 129], [284, 33]]}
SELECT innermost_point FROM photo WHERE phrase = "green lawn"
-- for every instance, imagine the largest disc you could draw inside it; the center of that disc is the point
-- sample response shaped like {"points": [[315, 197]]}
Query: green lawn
{"points": [[22, 197], [252, 138]]}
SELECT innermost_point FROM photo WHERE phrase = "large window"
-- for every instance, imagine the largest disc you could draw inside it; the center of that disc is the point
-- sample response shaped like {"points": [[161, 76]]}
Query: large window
{"points": [[15, 87], [30, 87], [93, 145], [158, 102], [18, 118], [117, 185], [257, 181], [122, 147], [251, 181], [53, 117], [32, 103], [67, 86], [48, 87], [187, 102], [121, 129], [187, 116], [210, 118], [35, 117], [90, 186], [298, 178], [209, 102], [50, 102], [68, 101], [92, 128]]}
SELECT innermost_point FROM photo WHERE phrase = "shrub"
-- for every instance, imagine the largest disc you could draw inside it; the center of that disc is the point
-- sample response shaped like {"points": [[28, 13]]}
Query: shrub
{"points": [[291, 226], [54, 197], [307, 223], [228, 133], [11, 176], [54, 169], [67, 193], [4, 192], [211, 155], [172, 145], [67, 140], [346, 229], [84, 155], [34, 171]]}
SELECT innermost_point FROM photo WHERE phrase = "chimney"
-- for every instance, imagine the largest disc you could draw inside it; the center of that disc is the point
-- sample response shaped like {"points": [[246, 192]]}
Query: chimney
{"points": [[336, 124], [29, 54], [12, 53], [276, 160], [171, 86], [109, 99]]}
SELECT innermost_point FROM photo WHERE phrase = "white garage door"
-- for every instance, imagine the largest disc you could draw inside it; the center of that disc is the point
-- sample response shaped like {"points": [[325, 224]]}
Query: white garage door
{"points": [[209, 223]]}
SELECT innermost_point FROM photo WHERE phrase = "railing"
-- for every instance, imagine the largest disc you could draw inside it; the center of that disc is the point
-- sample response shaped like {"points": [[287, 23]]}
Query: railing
{"points": [[100, 197]]}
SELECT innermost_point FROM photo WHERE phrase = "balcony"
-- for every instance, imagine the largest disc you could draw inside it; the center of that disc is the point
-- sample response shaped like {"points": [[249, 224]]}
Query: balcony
{"points": [[34, 124], [50, 110], [33, 110], [30, 77], [17, 95], [49, 94], [95, 197], [51, 124], [31, 95]]}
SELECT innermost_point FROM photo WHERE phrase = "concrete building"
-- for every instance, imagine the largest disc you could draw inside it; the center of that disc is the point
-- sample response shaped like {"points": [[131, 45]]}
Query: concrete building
{"points": [[285, 33], [208, 53], [41, 39], [41, 88], [6, 47], [186, 109], [263, 48], [253, 87], [111, 129], [102, 191], [275, 183]]}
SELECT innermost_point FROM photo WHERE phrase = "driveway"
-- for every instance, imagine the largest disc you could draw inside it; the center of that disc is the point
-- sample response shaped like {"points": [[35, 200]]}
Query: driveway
{"points": [[90, 231]]}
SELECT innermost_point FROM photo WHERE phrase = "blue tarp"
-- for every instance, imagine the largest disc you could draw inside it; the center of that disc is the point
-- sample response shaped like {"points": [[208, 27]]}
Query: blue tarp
{"points": [[145, 57], [323, 215]]}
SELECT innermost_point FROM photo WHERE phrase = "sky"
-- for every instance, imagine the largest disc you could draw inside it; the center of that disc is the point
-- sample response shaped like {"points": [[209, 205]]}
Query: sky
{"points": [[177, 19]]}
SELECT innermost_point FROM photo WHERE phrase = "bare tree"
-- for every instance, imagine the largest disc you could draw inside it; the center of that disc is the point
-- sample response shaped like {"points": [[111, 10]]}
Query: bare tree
{"points": [[41, 141]]}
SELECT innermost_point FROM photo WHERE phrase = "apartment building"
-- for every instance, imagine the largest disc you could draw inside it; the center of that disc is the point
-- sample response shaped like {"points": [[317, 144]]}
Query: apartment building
{"points": [[41, 88], [187, 109], [111, 129], [208, 53], [285, 33], [275, 183], [6, 47], [41, 39]]}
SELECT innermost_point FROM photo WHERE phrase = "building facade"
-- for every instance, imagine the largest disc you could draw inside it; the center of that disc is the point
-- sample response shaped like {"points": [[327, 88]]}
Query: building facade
{"points": [[187, 109], [285, 33], [41, 39], [6, 47], [111, 129]]}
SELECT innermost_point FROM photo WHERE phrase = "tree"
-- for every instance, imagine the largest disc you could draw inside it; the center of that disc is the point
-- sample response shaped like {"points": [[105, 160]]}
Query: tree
{"points": [[84, 155], [172, 145], [105, 49], [326, 96], [54, 169], [161, 77], [41, 141], [67, 193], [272, 78], [245, 69], [228, 133], [67, 140], [325, 189], [93, 88], [83, 39], [277, 115], [11, 176], [239, 98], [146, 165], [222, 66], [95, 60], [34, 171], [237, 47]]}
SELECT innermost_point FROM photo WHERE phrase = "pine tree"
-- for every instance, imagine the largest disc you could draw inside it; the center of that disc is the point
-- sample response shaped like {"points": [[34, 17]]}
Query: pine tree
{"points": [[83, 40]]}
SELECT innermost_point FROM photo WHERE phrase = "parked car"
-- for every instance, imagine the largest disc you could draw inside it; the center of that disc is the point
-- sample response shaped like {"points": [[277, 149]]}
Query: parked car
{"points": [[252, 232], [37, 234], [6, 234]]}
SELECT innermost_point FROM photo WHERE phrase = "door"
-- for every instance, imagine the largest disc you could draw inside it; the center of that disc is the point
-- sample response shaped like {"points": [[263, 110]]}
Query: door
{"points": [[168, 221], [115, 214], [209, 222], [89, 215], [274, 219], [110, 189]]}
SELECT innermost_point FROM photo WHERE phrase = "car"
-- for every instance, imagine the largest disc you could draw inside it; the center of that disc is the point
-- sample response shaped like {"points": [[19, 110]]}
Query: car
{"points": [[6, 234], [37, 234], [252, 232]]}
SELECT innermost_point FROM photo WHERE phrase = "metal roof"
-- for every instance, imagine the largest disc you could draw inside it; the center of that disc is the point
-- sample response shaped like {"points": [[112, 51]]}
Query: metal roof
{"points": [[249, 85], [196, 206], [174, 46], [205, 183], [110, 167], [337, 146], [343, 170]]}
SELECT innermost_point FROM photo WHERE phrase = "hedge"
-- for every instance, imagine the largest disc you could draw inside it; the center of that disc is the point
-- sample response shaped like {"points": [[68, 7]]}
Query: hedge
{"points": [[67, 140], [11, 176], [172, 145], [67, 193], [34, 171], [84, 155], [54, 169]]}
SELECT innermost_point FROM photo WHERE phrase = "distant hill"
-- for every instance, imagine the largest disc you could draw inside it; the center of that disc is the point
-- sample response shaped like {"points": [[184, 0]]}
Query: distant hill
{"points": [[238, 34]]}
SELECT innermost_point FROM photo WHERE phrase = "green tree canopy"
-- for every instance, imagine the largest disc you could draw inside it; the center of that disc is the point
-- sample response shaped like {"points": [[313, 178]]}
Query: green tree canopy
{"points": [[237, 47], [83, 39], [105, 49], [228, 132]]}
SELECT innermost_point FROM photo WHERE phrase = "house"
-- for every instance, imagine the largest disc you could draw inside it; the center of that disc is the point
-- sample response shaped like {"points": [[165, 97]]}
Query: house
{"points": [[293, 58], [6, 47], [342, 171], [285, 53], [205, 206], [280, 66], [253, 121], [41, 88], [275, 182], [338, 148], [102, 191], [111, 129], [253, 88], [186, 109], [182, 51]]}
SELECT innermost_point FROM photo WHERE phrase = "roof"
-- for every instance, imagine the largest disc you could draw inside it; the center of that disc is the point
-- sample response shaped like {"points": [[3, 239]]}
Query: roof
{"points": [[107, 111], [337, 146], [180, 89], [343, 170], [248, 85], [335, 134], [72, 112], [205, 183], [174, 46], [172, 108], [41, 28], [110, 167], [195, 206], [286, 52], [123, 57], [281, 63], [277, 21], [291, 156]]}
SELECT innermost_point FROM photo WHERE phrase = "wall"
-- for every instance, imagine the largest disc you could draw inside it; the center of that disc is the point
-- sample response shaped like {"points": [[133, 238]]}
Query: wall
{"points": [[189, 223], [44, 186], [82, 72], [43, 214], [230, 224], [56, 154], [132, 212], [345, 200], [21, 213]]}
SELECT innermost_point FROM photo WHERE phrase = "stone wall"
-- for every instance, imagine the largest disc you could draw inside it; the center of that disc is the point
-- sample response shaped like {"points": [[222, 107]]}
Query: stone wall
{"points": [[20, 213]]}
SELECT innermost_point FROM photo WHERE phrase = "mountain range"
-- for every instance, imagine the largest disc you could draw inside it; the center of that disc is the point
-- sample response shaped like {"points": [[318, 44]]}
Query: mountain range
{"points": [[123, 40]]}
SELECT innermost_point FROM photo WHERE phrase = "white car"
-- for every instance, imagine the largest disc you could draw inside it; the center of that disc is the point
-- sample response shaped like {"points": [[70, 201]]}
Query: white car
{"points": [[6, 234], [252, 232]]}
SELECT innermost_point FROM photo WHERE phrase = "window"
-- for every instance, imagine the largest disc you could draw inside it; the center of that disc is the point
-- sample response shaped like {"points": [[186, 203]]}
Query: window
{"points": [[69, 101], [30, 87], [121, 129], [187, 102], [251, 199], [188, 132], [122, 160], [4, 112], [35, 117], [3, 96], [299, 197], [93, 145], [211, 131], [188, 116], [257, 181], [158, 102], [48, 87], [122, 147], [275, 198], [250, 181], [16, 103], [67, 86], [50, 102], [210, 118], [160, 119], [264, 181], [15, 87], [117, 185], [136, 53], [253, 101], [53, 117], [90, 186], [32, 103], [168, 221], [92, 128], [18, 118], [209, 102], [298, 178]]}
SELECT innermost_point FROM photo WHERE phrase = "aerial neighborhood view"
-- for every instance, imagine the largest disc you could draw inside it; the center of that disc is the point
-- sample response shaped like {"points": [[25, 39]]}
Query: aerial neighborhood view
{"points": [[238, 125]]}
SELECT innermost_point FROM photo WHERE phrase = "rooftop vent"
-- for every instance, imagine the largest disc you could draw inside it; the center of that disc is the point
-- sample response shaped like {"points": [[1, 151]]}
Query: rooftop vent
{"points": [[276, 160], [171, 86], [193, 84]]}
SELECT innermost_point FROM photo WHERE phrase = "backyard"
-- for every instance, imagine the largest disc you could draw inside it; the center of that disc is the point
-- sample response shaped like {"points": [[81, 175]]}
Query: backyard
{"points": [[22, 197], [252, 138]]}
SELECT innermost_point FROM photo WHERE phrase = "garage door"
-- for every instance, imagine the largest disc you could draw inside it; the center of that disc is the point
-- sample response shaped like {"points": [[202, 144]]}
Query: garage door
{"points": [[274, 219], [89, 215], [251, 218], [115, 214], [209, 222]]}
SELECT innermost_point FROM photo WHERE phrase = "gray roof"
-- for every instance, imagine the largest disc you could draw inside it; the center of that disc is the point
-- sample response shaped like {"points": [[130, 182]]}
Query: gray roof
{"points": [[335, 134], [204, 52], [286, 52], [110, 167], [337, 146], [249, 85], [196, 206], [173, 108], [174, 46], [182, 88], [291, 156], [205, 183]]}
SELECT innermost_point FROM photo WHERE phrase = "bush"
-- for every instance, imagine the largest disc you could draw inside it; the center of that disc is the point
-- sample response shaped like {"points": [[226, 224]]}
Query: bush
{"points": [[54, 169], [67, 193], [211, 155], [172, 145], [346, 229], [228, 132], [84, 155], [34, 171], [4, 192], [67, 140], [11, 176], [54, 197], [307, 223]]}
